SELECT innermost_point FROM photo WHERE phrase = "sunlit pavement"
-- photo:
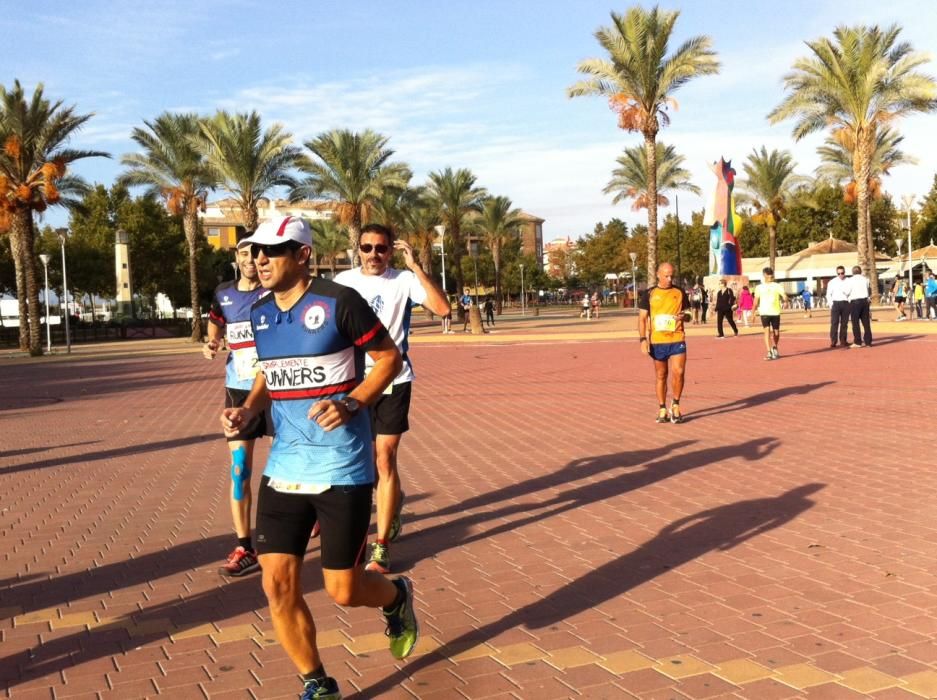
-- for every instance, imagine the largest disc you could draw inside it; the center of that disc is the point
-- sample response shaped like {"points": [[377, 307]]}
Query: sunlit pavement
{"points": [[780, 543]]}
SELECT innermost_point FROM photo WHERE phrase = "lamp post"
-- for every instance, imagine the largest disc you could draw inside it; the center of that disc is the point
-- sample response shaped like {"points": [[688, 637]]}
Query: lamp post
{"points": [[45, 264], [634, 278], [676, 202], [523, 295], [234, 266], [908, 200], [63, 234]]}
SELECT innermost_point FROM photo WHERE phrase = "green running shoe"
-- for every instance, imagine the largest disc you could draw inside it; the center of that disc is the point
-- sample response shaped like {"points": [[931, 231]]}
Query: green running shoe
{"points": [[402, 628], [380, 558], [326, 690]]}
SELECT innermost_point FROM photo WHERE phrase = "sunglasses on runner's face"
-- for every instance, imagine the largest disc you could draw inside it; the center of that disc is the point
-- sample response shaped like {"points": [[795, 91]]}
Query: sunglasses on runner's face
{"points": [[380, 248], [273, 251]]}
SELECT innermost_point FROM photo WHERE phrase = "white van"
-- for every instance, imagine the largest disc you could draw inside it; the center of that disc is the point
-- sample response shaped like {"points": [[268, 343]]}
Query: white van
{"points": [[10, 314]]}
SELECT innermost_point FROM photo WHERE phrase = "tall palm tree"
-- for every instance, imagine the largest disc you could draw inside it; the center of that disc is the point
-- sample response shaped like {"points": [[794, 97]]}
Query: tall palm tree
{"points": [[419, 224], [351, 168], [172, 166], [499, 225], [33, 176], [639, 79], [768, 184], [247, 161], [855, 84], [330, 239], [630, 179], [836, 162], [456, 197]]}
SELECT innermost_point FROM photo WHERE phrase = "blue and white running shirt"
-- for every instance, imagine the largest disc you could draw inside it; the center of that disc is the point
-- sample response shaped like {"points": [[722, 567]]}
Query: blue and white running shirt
{"points": [[230, 310], [314, 351]]}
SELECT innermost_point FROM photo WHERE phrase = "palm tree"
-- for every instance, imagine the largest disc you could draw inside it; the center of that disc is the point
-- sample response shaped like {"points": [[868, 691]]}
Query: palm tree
{"points": [[855, 84], [499, 224], [330, 240], [455, 197], [769, 182], [33, 176], [247, 161], [351, 168], [419, 224], [172, 166], [639, 79], [836, 166], [630, 180]]}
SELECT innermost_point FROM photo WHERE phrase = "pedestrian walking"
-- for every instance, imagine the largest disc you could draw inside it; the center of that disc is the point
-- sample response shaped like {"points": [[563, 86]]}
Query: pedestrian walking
{"points": [[746, 304], [930, 296], [860, 309], [725, 307], [489, 312], [919, 299], [837, 298], [900, 292]]}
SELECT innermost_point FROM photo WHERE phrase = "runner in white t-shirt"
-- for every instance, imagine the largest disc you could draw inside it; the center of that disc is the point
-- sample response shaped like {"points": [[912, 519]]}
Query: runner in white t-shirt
{"points": [[391, 294]]}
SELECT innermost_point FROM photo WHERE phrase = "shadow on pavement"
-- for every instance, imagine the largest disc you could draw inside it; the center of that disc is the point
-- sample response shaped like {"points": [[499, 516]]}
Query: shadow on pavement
{"points": [[756, 400], [877, 342], [107, 454], [716, 529], [456, 532], [44, 448]]}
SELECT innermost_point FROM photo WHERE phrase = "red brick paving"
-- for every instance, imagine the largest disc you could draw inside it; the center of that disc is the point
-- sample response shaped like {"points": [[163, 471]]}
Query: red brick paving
{"points": [[789, 522]]}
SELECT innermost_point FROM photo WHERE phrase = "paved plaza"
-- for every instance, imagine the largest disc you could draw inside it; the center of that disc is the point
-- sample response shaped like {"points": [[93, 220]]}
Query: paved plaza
{"points": [[781, 543]]}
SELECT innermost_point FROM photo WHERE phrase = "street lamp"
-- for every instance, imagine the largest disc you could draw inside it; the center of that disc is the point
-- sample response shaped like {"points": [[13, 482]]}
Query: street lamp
{"points": [[676, 202], [234, 266], [63, 234], [634, 279], [523, 295], [908, 200], [45, 263], [441, 232]]}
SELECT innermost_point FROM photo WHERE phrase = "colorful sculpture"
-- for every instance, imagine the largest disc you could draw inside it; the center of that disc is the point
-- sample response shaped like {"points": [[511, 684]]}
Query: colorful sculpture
{"points": [[725, 256]]}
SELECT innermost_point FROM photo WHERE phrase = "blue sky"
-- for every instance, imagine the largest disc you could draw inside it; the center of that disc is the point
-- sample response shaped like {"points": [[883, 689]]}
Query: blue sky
{"points": [[478, 84]]}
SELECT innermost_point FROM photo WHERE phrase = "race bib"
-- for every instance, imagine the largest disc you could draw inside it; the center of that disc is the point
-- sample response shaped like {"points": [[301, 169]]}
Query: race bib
{"points": [[665, 323], [297, 487], [245, 363]]}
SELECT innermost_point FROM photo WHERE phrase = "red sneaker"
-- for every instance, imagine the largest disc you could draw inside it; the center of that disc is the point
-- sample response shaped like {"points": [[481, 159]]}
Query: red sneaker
{"points": [[240, 563]]}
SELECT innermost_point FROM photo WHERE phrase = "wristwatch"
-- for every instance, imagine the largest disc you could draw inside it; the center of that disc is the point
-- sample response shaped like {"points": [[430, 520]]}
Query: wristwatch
{"points": [[351, 405]]}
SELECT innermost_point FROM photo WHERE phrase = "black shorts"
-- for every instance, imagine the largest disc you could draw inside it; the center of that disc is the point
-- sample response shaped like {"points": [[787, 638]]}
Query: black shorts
{"points": [[285, 520], [899, 300], [773, 321], [390, 414], [257, 428]]}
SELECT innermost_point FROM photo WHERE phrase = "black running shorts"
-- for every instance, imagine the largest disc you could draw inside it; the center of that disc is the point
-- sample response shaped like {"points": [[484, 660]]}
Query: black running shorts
{"points": [[390, 414], [257, 428], [285, 520], [773, 321]]}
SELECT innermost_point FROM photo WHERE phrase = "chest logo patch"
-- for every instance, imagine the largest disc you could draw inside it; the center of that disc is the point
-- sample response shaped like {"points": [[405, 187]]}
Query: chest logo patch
{"points": [[315, 316], [377, 304]]}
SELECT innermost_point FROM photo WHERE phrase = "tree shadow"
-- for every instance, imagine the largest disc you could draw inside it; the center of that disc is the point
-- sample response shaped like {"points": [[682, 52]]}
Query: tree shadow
{"points": [[460, 531], [716, 529], [108, 454], [756, 400]]}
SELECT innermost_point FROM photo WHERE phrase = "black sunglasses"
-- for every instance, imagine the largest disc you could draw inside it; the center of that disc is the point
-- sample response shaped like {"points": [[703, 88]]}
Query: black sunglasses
{"points": [[277, 250], [380, 248]]}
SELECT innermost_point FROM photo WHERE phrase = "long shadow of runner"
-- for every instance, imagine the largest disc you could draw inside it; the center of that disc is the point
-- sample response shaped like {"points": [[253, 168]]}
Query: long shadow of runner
{"points": [[573, 471], [107, 454], [717, 529], [36, 592], [756, 400], [886, 340], [455, 533]]}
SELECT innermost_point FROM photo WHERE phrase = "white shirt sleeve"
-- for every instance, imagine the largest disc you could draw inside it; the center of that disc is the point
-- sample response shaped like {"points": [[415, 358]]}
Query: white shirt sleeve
{"points": [[414, 288]]}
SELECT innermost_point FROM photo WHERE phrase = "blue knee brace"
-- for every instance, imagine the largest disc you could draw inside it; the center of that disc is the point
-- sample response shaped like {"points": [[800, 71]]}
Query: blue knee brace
{"points": [[240, 474]]}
